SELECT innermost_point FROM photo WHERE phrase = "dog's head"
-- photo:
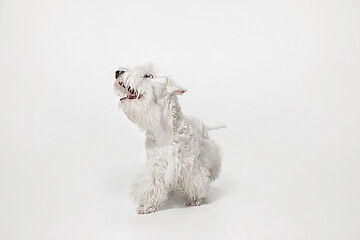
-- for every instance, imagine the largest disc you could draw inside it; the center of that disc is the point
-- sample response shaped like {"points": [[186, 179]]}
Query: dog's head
{"points": [[145, 94]]}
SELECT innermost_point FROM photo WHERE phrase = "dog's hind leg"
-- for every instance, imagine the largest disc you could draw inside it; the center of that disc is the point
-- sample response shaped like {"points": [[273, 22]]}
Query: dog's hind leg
{"points": [[210, 157], [214, 158]]}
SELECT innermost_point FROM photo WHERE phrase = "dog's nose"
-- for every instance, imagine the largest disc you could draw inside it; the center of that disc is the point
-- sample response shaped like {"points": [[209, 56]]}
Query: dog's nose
{"points": [[117, 73]]}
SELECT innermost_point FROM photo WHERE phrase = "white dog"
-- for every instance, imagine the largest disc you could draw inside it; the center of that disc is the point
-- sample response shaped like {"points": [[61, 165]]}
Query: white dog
{"points": [[180, 154]]}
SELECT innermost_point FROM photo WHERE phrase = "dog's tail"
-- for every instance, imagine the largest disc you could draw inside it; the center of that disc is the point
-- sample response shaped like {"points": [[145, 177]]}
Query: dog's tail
{"points": [[215, 127]]}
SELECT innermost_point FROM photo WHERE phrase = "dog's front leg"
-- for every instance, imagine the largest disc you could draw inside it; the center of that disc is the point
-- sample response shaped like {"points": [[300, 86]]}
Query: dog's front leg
{"points": [[150, 190]]}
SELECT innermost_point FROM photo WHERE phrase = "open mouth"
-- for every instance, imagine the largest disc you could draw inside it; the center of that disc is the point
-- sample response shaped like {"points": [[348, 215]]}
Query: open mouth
{"points": [[131, 93]]}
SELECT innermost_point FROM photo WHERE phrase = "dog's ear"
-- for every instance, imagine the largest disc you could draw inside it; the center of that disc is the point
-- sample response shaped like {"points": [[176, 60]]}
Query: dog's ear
{"points": [[173, 88]]}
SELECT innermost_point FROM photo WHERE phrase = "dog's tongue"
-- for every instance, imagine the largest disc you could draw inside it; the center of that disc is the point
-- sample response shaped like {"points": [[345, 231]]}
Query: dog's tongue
{"points": [[130, 96]]}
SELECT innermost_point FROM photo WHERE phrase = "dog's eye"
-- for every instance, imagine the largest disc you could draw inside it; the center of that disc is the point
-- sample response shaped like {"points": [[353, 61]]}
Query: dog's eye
{"points": [[148, 76]]}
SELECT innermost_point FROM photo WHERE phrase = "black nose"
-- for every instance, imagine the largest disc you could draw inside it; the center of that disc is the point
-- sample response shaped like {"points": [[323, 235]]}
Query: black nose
{"points": [[117, 73]]}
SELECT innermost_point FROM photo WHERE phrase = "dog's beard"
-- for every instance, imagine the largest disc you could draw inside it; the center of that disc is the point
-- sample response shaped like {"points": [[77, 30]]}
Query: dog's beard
{"points": [[147, 115]]}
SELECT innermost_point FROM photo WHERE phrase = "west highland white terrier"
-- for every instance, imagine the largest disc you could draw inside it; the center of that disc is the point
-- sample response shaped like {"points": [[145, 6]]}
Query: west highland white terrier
{"points": [[180, 154]]}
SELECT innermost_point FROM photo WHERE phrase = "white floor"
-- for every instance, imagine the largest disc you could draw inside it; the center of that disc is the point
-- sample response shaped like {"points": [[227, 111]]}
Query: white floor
{"points": [[263, 193], [282, 75]]}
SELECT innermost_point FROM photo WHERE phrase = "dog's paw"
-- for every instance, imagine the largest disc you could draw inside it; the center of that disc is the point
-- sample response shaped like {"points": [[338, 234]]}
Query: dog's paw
{"points": [[145, 209], [196, 202]]}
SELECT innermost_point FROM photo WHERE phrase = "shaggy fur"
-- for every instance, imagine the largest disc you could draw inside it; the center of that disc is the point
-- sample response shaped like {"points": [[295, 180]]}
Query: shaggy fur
{"points": [[180, 154]]}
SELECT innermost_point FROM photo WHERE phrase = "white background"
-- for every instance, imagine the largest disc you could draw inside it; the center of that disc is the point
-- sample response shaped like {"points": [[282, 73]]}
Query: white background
{"points": [[282, 75]]}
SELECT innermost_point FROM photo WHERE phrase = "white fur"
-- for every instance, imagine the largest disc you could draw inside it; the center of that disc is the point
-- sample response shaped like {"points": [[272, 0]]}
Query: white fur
{"points": [[180, 154]]}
